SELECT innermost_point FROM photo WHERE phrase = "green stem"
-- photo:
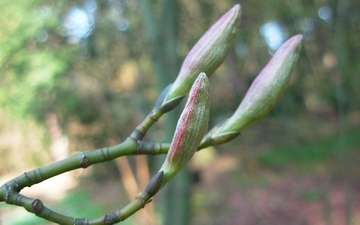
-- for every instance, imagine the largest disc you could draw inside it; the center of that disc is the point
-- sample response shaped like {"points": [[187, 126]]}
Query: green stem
{"points": [[80, 160], [156, 148], [140, 131], [10, 191], [152, 148], [37, 207]]}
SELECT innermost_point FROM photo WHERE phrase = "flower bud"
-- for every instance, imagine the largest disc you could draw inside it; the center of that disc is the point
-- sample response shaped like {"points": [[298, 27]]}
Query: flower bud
{"points": [[266, 89], [190, 128], [207, 54]]}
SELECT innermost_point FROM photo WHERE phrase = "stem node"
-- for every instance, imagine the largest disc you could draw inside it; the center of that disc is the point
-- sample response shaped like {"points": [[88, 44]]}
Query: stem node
{"points": [[84, 162], [37, 206], [112, 218]]}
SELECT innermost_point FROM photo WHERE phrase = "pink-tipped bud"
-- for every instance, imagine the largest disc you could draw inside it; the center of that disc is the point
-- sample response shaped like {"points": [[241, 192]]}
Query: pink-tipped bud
{"points": [[190, 128], [207, 54], [266, 89]]}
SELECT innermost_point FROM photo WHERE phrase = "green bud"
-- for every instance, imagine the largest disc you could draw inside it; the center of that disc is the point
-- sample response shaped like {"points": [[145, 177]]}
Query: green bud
{"points": [[208, 53], [266, 89], [169, 104], [190, 128], [154, 184], [214, 138]]}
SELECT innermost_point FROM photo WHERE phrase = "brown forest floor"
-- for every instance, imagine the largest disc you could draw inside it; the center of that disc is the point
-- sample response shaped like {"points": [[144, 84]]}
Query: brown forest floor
{"points": [[310, 187], [282, 199]]}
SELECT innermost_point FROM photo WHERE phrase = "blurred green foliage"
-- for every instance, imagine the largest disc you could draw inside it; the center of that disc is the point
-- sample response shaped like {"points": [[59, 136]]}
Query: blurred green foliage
{"points": [[102, 81], [30, 68], [106, 76], [304, 155]]}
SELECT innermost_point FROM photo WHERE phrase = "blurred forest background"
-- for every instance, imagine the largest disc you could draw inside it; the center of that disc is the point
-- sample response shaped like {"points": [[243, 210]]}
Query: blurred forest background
{"points": [[77, 75]]}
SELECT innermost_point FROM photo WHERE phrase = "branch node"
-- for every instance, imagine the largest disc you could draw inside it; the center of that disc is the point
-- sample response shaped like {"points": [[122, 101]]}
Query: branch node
{"points": [[18, 199], [28, 178], [37, 206], [112, 218], [153, 117], [152, 149], [46, 214], [84, 162], [80, 221], [143, 203], [105, 153], [160, 147], [139, 145], [16, 183], [38, 176], [8, 193], [137, 135]]}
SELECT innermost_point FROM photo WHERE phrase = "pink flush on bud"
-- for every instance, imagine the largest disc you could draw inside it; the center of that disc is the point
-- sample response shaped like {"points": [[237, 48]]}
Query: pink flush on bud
{"points": [[267, 88], [190, 129], [208, 53]]}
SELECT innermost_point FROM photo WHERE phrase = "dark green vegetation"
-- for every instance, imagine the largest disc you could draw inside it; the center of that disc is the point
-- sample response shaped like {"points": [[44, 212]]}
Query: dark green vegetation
{"points": [[323, 150], [98, 88]]}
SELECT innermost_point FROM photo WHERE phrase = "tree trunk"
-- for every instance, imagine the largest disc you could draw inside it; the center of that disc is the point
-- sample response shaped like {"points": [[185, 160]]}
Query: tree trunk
{"points": [[162, 37]]}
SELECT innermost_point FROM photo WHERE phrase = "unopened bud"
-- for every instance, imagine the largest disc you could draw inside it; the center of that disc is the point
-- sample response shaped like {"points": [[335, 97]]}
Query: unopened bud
{"points": [[207, 54], [190, 128], [213, 138], [155, 184], [266, 89], [169, 104]]}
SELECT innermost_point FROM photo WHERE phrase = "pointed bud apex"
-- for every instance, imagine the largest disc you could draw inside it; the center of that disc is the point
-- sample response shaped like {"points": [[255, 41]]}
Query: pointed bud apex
{"points": [[162, 96], [169, 105], [190, 128], [213, 138], [155, 184], [208, 53], [267, 88]]}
